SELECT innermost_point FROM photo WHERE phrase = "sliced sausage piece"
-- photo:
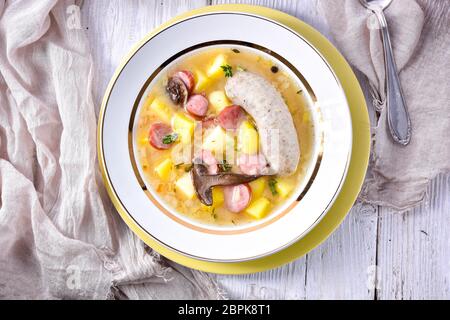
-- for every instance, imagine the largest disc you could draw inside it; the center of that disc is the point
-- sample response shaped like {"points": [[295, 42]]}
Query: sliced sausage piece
{"points": [[209, 122], [237, 197], [230, 117], [157, 133], [188, 79], [254, 164], [197, 105], [278, 137], [210, 161]]}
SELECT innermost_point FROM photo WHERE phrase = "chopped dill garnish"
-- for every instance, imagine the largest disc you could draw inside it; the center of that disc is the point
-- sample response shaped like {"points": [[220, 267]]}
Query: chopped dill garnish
{"points": [[235, 50], [272, 186], [170, 138], [228, 70]]}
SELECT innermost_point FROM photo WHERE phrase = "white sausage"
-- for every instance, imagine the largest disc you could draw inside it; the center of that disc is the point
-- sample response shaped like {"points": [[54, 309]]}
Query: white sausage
{"points": [[265, 104]]}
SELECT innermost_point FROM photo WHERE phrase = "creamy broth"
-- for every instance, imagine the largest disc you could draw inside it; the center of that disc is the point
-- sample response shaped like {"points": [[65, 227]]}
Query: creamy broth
{"points": [[270, 188]]}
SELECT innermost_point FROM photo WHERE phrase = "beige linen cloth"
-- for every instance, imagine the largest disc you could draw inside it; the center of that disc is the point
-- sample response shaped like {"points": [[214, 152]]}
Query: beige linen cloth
{"points": [[60, 238], [420, 33]]}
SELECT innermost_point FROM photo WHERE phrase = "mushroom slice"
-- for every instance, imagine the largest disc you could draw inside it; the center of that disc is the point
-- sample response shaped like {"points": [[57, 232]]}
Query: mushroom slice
{"points": [[203, 181]]}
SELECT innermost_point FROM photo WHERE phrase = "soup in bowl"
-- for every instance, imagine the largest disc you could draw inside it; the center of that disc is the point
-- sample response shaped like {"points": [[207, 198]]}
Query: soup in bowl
{"points": [[225, 136]]}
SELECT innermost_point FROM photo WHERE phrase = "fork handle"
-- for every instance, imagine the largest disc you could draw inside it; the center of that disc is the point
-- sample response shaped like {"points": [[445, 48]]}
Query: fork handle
{"points": [[398, 119]]}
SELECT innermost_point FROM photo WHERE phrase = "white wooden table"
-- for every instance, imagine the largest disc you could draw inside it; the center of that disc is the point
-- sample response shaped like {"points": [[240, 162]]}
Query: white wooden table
{"points": [[375, 254]]}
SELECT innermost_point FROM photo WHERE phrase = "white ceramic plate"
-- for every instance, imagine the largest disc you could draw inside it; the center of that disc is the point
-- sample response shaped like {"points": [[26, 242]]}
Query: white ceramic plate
{"points": [[326, 171]]}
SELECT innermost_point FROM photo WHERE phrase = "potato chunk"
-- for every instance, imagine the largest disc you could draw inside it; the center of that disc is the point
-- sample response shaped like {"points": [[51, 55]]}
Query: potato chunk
{"points": [[215, 69], [185, 186], [218, 200], [201, 81], [184, 126], [248, 138], [218, 141], [284, 187], [161, 109], [258, 208], [218, 197], [258, 187], [164, 169], [218, 100]]}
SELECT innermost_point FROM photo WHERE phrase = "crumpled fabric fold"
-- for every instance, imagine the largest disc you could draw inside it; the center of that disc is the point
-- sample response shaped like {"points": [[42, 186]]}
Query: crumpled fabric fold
{"points": [[420, 34]]}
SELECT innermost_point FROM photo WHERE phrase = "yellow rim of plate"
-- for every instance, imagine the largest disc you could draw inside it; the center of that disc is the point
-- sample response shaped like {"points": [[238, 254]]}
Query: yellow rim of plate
{"points": [[356, 172]]}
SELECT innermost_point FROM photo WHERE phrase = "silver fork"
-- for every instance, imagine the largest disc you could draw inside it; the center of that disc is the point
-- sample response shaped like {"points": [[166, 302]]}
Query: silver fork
{"points": [[398, 119]]}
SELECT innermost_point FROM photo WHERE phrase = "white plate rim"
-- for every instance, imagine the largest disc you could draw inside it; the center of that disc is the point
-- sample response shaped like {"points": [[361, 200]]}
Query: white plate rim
{"points": [[111, 88]]}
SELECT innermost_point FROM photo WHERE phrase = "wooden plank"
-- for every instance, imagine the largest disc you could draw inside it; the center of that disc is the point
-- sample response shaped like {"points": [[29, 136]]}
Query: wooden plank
{"points": [[344, 266], [286, 282], [306, 10], [414, 248]]}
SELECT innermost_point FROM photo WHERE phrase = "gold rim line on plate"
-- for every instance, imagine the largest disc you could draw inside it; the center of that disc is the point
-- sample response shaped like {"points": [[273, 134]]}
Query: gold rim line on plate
{"points": [[357, 163], [301, 192], [112, 191]]}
